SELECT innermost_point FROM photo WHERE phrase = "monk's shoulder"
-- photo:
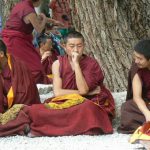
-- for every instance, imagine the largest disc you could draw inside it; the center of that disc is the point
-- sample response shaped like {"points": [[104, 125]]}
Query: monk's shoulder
{"points": [[55, 63]]}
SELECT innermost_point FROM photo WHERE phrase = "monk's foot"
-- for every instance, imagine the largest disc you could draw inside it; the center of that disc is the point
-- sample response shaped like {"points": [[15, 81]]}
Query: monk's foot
{"points": [[26, 129], [30, 135]]}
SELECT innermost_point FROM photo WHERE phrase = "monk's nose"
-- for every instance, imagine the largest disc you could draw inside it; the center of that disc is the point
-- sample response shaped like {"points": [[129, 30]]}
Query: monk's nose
{"points": [[75, 49]]}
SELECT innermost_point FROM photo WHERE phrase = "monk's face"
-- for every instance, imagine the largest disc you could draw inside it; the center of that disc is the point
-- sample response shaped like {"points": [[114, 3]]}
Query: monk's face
{"points": [[46, 46], [140, 60], [74, 45]]}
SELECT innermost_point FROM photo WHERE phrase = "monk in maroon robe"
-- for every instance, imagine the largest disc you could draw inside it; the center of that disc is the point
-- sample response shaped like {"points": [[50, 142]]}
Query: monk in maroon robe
{"points": [[48, 54], [17, 35], [90, 117], [136, 110], [17, 83]]}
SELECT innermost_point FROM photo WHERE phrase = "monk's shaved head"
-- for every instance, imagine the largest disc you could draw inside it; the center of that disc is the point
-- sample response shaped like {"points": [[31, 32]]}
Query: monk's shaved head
{"points": [[73, 34]]}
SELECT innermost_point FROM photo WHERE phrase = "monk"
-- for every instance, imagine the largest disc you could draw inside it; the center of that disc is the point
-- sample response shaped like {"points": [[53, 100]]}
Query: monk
{"points": [[136, 110], [82, 104], [16, 82], [48, 54], [17, 35]]}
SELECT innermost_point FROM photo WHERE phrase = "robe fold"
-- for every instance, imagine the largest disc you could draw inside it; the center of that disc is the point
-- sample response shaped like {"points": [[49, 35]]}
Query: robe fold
{"points": [[131, 116], [90, 117]]}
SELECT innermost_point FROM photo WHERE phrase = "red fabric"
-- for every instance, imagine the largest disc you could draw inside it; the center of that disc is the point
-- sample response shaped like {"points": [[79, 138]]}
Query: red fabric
{"points": [[20, 45], [24, 87], [85, 118], [15, 20], [144, 75], [61, 8]]}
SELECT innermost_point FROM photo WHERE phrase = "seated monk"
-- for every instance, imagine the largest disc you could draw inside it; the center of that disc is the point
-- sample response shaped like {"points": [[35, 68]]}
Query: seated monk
{"points": [[78, 79], [48, 55], [136, 110], [16, 83], [82, 104]]}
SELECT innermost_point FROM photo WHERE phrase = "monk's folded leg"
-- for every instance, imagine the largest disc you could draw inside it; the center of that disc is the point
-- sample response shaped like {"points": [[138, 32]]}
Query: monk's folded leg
{"points": [[131, 117], [86, 118]]}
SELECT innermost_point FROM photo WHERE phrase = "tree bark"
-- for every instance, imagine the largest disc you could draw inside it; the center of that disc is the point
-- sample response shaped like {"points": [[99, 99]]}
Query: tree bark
{"points": [[5, 7], [111, 28]]}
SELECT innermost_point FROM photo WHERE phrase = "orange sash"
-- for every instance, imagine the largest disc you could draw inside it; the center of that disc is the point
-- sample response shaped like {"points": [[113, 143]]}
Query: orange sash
{"points": [[10, 95]]}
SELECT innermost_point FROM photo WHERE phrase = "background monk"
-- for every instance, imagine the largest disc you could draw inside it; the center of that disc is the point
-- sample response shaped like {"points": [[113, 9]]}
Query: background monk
{"points": [[136, 110], [48, 54], [16, 82], [17, 35], [75, 74]]}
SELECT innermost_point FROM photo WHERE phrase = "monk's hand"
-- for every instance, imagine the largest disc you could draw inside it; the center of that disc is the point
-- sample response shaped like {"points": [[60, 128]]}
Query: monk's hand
{"points": [[45, 55], [42, 18], [58, 23], [55, 22], [75, 57]]}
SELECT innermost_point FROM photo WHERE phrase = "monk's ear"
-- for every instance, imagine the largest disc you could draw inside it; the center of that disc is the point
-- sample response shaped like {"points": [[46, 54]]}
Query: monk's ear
{"points": [[1, 54], [64, 45]]}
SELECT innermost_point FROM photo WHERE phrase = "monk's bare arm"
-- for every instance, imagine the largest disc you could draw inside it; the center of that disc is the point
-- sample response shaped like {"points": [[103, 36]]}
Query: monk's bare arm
{"points": [[137, 97], [38, 22], [80, 80], [57, 82]]}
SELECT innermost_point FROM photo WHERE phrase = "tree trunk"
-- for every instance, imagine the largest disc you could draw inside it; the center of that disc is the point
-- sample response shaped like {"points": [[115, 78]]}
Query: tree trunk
{"points": [[5, 8], [111, 28], [45, 8]]}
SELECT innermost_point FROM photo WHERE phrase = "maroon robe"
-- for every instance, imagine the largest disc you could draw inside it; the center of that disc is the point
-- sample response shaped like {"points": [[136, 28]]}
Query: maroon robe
{"points": [[24, 87], [17, 36], [131, 116], [86, 118]]}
